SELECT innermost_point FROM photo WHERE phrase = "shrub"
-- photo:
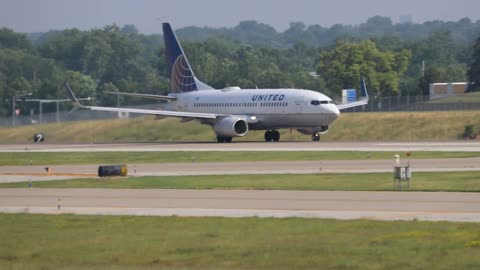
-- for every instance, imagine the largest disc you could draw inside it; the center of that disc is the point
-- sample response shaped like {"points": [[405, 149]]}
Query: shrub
{"points": [[470, 132]]}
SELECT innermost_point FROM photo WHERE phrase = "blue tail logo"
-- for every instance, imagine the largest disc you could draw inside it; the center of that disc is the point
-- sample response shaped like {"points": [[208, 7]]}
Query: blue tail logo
{"points": [[182, 78]]}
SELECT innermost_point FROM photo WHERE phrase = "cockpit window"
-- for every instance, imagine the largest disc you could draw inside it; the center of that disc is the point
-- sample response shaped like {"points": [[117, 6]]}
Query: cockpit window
{"points": [[318, 102]]}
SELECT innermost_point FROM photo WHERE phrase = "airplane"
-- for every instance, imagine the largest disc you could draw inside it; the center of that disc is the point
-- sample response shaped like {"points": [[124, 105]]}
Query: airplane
{"points": [[232, 111]]}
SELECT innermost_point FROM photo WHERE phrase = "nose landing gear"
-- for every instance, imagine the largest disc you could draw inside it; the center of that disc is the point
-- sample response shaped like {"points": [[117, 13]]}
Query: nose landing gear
{"points": [[316, 137]]}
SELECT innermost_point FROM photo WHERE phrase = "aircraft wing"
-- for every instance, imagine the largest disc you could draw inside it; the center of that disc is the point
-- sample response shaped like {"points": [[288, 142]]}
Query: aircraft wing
{"points": [[194, 115], [154, 112], [362, 101], [169, 98]]}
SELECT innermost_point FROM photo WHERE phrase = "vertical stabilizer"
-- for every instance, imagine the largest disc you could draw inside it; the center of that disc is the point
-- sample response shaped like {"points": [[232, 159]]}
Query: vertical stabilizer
{"points": [[182, 78]]}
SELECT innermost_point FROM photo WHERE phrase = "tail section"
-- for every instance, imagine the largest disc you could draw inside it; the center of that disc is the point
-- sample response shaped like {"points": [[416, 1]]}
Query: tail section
{"points": [[182, 78]]}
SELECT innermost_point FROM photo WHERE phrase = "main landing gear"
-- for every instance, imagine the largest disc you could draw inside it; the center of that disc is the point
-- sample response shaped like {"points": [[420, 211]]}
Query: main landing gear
{"points": [[222, 139], [316, 137], [272, 136]]}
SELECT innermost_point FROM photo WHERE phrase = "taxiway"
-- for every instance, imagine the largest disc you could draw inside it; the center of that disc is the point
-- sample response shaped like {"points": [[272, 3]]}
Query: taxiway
{"points": [[433, 206], [37, 173]]}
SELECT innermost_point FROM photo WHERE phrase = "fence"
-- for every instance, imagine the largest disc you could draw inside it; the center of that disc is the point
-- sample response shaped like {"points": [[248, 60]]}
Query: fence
{"points": [[73, 115], [412, 103]]}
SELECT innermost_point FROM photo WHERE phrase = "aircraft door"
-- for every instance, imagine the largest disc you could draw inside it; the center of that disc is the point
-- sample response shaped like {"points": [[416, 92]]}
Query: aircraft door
{"points": [[299, 104]]}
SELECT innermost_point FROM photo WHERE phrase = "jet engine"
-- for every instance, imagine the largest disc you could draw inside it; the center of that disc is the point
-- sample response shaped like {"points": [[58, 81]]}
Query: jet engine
{"points": [[310, 131], [231, 127]]}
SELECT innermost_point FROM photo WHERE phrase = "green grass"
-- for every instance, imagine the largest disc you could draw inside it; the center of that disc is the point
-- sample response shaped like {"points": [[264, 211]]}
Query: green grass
{"points": [[450, 181], [36, 158], [397, 126], [122, 242]]}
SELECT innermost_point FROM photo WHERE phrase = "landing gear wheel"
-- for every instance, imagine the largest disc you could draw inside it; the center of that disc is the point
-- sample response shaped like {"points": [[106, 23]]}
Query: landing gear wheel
{"points": [[272, 136], [268, 136], [315, 137], [222, 139], [275, 136]]}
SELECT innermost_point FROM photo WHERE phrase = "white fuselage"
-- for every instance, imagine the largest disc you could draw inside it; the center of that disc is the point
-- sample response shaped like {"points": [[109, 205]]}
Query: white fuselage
{"points": [[263, 108]]}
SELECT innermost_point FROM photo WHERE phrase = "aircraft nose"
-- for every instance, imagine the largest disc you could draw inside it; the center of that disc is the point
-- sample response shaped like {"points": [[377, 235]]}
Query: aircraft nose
{"points": [[334, 110]]}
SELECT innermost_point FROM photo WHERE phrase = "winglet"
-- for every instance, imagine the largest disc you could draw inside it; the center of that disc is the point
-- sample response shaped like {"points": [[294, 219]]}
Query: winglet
{"points": [[360, 102], [72, 96], [363, 89]]}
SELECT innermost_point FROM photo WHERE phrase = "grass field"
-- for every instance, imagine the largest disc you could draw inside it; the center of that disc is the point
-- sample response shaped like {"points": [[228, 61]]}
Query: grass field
{"points": [[349, 127], [36, 158], [451, 181], [101, 242]]}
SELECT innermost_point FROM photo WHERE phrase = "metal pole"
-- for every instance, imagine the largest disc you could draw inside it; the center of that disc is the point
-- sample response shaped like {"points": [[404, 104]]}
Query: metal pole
{"points": [[13, 110], [57, 113], [40, 112]]}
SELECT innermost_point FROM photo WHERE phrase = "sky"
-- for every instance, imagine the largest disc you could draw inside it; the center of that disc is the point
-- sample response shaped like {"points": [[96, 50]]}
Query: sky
{"points": [[147, 15]]}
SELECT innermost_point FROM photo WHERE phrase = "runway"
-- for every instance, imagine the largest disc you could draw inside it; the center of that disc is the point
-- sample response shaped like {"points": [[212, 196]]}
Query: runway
{"points": [[432, 206], [457, 146]]}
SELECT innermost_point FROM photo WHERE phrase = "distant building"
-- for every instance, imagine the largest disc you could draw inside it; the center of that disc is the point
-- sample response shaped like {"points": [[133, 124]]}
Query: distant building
{"points": [[443, 90]]}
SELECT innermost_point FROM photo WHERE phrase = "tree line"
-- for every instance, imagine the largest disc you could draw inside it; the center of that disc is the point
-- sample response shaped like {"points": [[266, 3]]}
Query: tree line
{"points": [[396, 59]]}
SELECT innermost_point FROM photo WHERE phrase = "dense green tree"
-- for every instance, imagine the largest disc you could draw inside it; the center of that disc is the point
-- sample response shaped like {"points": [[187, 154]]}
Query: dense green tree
{"points": [[83, 85], [377, 26], [463, 31], [64, 47], [474, 64], [129, 29], [342, 67], [16, 41], [16, 64]]}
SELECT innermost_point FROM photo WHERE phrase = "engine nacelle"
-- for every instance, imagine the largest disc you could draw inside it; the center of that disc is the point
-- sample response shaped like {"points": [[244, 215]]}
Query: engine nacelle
{"points": [[231, 127], [310, 131]]}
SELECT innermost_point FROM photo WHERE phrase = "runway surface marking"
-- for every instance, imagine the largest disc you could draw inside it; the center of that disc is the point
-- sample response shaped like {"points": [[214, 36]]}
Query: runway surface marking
{"points": [[449, 206]]}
